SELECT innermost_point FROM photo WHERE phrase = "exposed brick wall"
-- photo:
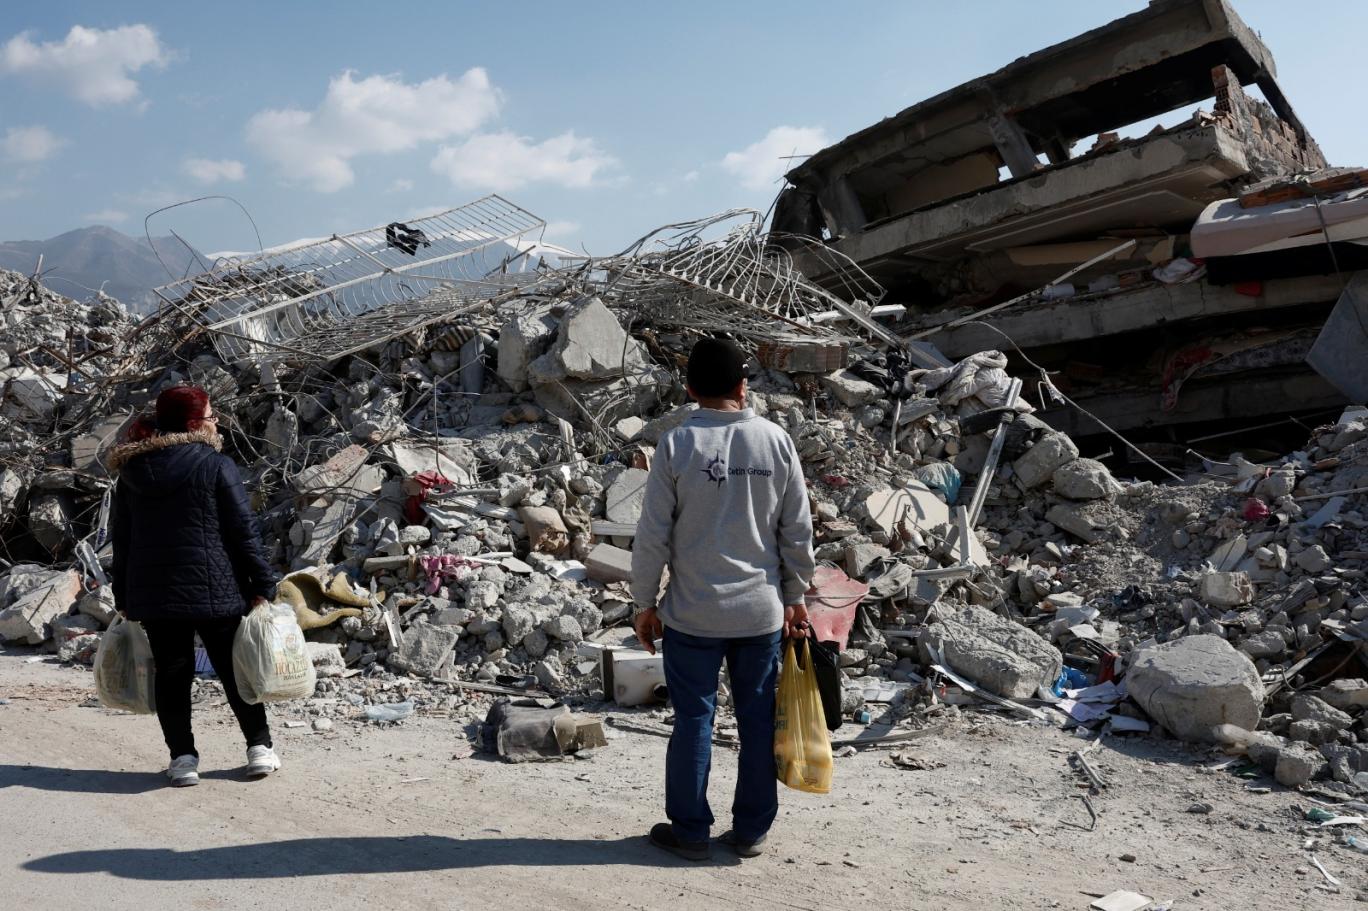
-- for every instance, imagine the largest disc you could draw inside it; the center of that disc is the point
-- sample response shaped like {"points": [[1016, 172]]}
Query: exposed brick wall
{"points": [[1273, 145]]}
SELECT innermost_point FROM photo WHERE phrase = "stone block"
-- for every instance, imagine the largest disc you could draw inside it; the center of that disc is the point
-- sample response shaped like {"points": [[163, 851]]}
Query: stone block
{"points": [[850, 390], [564, 628], [327, 658], [1001, 656], [609, 564], [27, 619], [860, 557], [1039, 463], [1346, 694], [609, 401], [425, 649], [626, 495], [1306, 707], [451, 616], [590, 345], [1195, 683], [71, 626], [1266, 644], [668, 421], [522, 340], [1076, 521], [518, 621], [1084, 479], [98, 605], [483, 596], [1298, 765], [1226, 589]]}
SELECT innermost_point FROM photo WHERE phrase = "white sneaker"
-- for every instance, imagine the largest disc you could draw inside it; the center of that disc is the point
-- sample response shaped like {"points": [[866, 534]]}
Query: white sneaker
{"points": [[261, 761], [184, 771]]}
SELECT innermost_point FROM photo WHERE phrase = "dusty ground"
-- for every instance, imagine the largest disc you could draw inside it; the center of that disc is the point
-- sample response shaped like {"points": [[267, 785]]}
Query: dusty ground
{"points": [[387, 816]]}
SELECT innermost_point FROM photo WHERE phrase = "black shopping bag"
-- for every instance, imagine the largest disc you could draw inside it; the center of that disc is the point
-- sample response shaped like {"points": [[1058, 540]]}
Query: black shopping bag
{"points": [[826, 663]]}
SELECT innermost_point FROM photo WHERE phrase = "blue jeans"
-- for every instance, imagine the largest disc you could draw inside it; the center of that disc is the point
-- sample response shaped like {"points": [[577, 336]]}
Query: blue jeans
{"points": [[691, 667]]}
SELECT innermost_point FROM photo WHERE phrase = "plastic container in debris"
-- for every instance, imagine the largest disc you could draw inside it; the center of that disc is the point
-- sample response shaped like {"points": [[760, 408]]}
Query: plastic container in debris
{"points": [[388, 714], [632, 677]]}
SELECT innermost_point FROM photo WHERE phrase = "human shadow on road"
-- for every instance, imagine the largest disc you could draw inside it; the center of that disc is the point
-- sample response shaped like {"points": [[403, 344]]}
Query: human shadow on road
{"points": [[94, 781], [359, 855]]}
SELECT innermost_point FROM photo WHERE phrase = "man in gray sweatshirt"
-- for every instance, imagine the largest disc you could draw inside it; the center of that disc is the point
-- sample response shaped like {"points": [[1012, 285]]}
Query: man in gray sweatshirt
{"points": [[727, 510]]}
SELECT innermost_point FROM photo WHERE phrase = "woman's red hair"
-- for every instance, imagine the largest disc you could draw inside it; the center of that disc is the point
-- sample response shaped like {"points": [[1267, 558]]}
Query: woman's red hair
{"points": [[181, 409]]}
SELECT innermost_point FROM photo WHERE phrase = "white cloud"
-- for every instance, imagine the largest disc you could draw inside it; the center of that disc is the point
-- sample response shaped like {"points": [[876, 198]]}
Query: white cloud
{"points": [[690, 176], [29, 145], [760, 164], [562, 229], [93, 65], [105, 215], [208, 170], [506, 161], [401, 185], [374, 115]]}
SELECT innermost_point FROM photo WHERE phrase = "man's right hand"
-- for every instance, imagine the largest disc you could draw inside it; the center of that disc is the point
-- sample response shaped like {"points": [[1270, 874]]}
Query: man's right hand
{"points": [[648, 628]]}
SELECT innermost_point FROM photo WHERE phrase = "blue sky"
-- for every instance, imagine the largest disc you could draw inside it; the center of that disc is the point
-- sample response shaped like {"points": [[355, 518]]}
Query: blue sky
{"points": [[607, 120]]}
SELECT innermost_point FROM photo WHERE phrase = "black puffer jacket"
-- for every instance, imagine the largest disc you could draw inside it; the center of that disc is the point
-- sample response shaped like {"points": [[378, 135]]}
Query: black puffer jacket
{"points": [[185, 541]]}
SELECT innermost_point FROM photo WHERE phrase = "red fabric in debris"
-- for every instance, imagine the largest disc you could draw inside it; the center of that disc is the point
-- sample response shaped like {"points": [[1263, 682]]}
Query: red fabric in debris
{"points": [[428, 480], [1255, 510]]}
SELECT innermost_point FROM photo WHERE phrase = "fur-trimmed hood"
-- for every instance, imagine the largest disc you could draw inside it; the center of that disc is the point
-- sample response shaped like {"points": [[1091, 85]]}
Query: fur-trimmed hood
{"points": [[120, 456]]}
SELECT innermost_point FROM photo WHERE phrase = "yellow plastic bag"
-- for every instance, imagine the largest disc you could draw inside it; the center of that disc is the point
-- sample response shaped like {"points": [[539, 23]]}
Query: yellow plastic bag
{"points": [[270, 660], [124, 670], [802, 749]]}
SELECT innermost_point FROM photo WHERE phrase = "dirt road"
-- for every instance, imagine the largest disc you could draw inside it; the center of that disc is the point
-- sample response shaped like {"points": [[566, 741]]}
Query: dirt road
{"points": [[370, 817]]}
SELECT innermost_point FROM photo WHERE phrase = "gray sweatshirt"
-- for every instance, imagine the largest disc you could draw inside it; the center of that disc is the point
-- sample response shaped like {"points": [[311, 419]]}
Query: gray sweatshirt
{"points": [[727, 509]]}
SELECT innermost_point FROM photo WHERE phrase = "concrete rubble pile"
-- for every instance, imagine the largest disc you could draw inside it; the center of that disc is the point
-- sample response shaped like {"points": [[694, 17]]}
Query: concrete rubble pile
{"points": [[451, 481], [495, 554]]}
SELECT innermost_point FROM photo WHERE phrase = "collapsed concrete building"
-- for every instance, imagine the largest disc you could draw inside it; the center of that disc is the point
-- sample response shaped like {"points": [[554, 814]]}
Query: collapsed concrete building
{"points": [[989, 191]]}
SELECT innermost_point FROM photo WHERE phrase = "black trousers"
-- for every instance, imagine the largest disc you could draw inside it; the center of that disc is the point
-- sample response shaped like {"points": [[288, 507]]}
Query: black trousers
{"points": [[173, 652]]}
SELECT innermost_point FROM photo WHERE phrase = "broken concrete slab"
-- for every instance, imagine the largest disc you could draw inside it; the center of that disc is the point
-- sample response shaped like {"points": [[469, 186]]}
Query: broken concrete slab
{"points": [[626, 495], [1306, 707], [49, 520], [1345, 694], [425, 649], [27, 619], [915, 504], [850, 390], [662, 425], [608, 402], [609, 564], [1299, 764], [1003, 657], [326, 658], [1195, 683], [98, 605], [1084, 479], [860, 557], [522, 340], [1226, 589], [590, 345], [1077, 521], [1039, 463]]}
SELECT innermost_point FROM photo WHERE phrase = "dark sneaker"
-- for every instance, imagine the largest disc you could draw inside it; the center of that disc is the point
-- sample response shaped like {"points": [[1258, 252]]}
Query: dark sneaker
{"points": [[663, 836], [744, 848]]}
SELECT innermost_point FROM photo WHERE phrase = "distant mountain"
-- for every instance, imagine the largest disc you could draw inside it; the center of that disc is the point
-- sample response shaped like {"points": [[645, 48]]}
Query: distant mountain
{"points": [[79, 261]]}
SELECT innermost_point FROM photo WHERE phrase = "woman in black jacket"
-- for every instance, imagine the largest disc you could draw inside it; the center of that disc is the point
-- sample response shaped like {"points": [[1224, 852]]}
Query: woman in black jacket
{"points": [[187, 560]]}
